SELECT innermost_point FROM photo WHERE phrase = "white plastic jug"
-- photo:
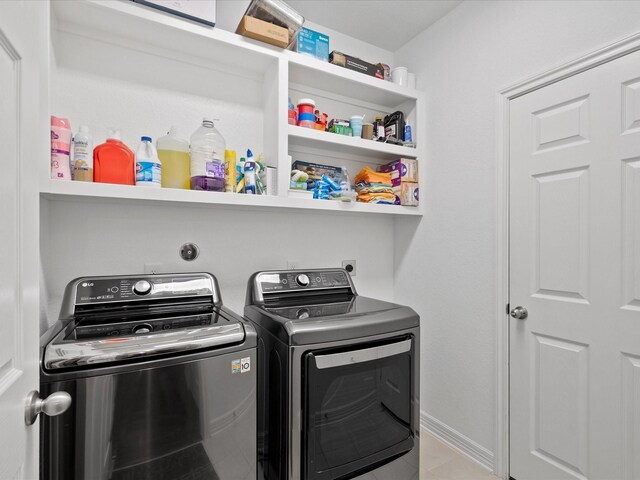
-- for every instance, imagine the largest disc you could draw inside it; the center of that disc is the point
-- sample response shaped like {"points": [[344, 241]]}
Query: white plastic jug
{"points": [[148, 166], [207, 158]]}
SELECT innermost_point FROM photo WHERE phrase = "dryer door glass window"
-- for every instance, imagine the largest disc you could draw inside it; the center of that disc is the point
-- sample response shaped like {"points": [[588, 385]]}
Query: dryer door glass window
{"points": [[357, 408]]}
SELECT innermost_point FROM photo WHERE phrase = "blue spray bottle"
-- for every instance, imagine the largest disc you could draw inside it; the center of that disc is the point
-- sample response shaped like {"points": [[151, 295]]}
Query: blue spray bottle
{"points": [[250, 174]]}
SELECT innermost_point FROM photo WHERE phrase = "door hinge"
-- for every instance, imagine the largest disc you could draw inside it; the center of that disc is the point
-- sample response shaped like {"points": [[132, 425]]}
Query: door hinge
{"points": [[508, 309]]}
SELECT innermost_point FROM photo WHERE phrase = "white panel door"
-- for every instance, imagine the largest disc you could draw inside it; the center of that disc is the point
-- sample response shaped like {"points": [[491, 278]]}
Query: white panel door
{"points": [[23, 140], [575, 266]]}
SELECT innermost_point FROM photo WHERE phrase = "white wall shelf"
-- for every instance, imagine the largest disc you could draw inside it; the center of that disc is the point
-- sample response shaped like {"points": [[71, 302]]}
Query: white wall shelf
{"points": [[83, 191], [307, 137], [139, 27], [319, 75], [142, 70]]}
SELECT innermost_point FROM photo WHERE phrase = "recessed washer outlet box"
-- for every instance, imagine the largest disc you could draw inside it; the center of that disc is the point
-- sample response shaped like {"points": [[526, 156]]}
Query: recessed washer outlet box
{"points": [[349, 266]]}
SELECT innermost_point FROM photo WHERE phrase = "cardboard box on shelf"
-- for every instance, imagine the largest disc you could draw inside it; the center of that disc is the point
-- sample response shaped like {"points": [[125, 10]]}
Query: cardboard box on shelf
{"points": [[407, 194], [263, 31], [353, 63], [402, 170], [312, 43]]}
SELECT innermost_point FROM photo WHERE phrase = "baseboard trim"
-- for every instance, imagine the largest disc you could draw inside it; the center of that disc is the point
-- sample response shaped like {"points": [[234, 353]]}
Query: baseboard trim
{"points": [[458, 441]]}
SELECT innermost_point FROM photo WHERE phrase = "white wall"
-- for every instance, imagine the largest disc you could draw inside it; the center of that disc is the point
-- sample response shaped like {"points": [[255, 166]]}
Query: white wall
{"points": [[445, 265], [98, 238]]}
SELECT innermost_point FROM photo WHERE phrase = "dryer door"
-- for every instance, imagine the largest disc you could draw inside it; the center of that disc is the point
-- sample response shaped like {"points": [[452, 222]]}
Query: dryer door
{"points": [[357, 407]]}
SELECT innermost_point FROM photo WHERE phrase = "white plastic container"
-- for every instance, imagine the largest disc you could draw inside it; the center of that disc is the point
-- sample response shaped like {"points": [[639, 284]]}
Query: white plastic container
{"points": [[148, 166], [207, 158], [400, 76], [82, 160], [173, 152]]}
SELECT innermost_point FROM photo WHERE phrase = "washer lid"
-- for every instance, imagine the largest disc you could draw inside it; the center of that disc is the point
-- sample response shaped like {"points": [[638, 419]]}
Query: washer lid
{"points": [[61, 353]]}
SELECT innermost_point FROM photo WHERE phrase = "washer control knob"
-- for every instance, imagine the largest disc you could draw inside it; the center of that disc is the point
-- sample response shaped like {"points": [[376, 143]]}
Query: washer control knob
{"points": [[302, 280], [142, 328], [142, 287]]}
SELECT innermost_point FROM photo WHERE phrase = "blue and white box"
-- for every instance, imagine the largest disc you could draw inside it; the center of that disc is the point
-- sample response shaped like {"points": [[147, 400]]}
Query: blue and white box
{"points": [[315, 44]]}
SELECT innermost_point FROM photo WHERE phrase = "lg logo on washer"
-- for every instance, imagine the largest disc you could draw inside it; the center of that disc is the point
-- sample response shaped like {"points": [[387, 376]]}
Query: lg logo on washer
{"points": [[241, 366]]}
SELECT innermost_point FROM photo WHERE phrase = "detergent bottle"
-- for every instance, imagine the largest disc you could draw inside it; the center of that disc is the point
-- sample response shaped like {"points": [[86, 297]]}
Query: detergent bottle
{"points": [[113, 161], [173, 152], [207, 158], [148, 168]]}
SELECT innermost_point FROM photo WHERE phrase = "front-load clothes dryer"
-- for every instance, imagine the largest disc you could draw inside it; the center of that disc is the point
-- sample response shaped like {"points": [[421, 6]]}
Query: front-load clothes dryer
{"points": [[338, 388], [162, 379]]}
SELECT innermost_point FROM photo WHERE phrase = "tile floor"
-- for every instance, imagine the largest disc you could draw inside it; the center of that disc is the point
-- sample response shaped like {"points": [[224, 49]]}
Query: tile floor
{"points": [[440, 462]]}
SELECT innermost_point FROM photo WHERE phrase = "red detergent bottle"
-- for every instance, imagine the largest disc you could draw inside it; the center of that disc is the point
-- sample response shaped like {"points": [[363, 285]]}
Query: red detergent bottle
{"points": [[113, 161]]}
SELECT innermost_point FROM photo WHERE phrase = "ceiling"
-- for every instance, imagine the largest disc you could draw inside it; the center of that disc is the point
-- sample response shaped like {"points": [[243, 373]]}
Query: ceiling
{"points": [[388, 24]]}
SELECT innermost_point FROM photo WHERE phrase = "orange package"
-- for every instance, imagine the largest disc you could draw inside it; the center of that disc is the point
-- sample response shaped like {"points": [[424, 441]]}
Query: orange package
{"points": [[370, 176]]}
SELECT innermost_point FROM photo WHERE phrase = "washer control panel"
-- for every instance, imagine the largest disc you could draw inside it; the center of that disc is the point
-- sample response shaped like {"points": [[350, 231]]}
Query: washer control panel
{"points": [[296, 280], [131, 288]]}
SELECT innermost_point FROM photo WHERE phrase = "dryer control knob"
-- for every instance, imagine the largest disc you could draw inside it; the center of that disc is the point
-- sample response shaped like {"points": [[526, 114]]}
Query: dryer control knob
{"points": [[302, 280], [142, 287]]}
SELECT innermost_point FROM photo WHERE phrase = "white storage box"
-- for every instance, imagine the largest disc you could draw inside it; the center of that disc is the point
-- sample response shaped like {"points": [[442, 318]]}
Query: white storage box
{"points": [[202, 11]]}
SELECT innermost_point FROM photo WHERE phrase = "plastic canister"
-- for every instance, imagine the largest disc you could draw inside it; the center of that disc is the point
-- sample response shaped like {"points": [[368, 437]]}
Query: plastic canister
{"points": [[400, 75], [367, 131], [148, 168], [292, 114], [306, 115], [355, 122], [173, 152]]}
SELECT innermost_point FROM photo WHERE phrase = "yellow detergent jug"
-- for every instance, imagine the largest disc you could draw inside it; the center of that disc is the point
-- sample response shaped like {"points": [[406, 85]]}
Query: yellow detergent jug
{"points": [[173, 152]]}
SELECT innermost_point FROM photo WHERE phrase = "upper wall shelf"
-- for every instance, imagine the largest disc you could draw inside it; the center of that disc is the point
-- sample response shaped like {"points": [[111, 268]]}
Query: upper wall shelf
{"points": [[84, 191], [310, 72], [136, 26], [307, 137]]}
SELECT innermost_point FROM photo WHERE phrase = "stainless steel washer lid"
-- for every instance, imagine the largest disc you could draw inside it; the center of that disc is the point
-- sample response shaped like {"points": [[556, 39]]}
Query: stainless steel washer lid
{"points": [[64, 354]]}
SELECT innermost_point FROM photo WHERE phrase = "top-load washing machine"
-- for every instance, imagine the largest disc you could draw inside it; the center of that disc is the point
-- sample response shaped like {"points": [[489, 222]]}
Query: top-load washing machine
{"points": [[161, 379], [338, 380]]}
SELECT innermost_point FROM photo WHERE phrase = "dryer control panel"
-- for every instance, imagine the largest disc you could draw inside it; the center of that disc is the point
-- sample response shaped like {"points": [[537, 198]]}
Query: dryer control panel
{"points": [[302, 280]]}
